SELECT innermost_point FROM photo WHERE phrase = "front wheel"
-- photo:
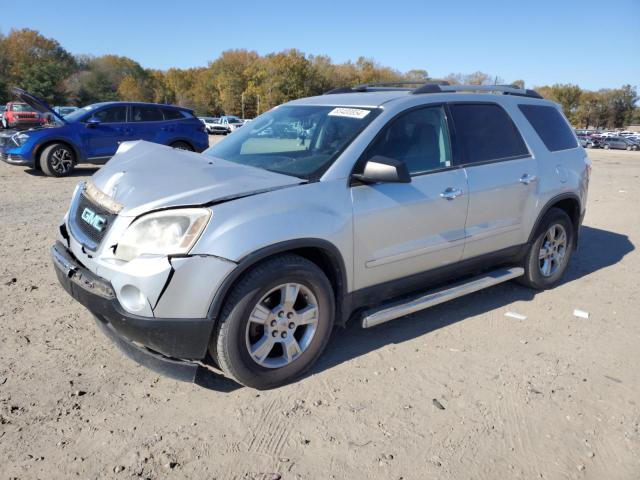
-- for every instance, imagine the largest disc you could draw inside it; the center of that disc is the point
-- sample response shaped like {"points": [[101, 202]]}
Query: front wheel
{"points": [[550, 252], [57, 160], [275, 323], [606, 147]]}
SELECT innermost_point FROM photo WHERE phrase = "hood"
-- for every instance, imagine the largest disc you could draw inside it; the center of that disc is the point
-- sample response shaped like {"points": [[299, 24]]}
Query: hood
{"points": [[38, 104], [145, 176]]}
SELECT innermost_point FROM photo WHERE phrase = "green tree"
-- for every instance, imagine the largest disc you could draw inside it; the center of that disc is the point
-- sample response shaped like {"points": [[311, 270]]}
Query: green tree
{"points": [[36, 63]]}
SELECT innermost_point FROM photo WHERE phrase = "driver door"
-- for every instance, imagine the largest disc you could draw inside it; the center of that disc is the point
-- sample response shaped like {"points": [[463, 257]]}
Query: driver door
{"points": [[401, 229]]}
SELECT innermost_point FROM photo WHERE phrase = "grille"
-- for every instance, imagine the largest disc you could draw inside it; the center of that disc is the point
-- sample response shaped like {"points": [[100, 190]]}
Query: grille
{"points": [[88, 232]]}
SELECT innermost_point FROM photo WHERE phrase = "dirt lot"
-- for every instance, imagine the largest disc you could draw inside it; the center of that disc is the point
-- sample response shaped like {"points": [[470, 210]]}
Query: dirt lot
{"points": [[552, 396]]}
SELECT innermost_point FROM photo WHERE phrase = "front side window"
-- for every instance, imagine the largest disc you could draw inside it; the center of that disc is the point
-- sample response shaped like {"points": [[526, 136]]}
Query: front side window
{"points": [[419, 138], [301, 141], [486, 132], [112, 115], [146, 113]]}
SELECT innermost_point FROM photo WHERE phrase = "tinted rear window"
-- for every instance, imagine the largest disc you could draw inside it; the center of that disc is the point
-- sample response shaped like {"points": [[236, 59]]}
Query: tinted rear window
{"points": [[172, 114], [144, 113], [550, 126], [486, 132]]}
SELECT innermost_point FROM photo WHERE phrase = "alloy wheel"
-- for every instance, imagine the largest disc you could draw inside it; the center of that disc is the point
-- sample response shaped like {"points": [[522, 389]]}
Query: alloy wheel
{"points": [[61, 160], [282, 325], [553, 250]]}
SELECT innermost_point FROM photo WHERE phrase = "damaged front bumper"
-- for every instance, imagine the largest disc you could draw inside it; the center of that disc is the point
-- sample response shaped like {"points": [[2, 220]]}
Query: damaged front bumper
{"points": [[168, 346]]}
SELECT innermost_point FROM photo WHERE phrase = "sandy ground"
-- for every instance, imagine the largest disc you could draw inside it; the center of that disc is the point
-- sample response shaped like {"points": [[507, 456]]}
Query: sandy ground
{"points": [[552, 396]]}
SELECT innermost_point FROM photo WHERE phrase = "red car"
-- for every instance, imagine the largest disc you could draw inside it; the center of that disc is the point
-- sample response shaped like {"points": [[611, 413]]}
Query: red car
{"points": [[20, 114]]}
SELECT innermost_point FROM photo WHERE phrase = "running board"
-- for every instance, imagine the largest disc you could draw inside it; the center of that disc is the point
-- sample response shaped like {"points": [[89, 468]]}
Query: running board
{"points": [[383, 314]]}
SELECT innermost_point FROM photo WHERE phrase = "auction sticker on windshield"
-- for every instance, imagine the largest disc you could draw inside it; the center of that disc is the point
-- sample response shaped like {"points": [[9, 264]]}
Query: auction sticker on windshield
{"points": [[349, 112]]}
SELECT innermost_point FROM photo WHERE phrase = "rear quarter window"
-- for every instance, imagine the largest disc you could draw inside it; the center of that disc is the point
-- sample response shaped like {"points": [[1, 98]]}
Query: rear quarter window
{"points": [[486, 133], [173, 114], [550, 126]]}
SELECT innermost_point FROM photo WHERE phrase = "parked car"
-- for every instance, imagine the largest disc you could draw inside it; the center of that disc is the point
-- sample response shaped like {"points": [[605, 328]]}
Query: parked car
{"points": [[210, 123], [589, 141], [62, 111], [619, 143], [21, 115], [92, 134], [230, 123], [248, 258]]}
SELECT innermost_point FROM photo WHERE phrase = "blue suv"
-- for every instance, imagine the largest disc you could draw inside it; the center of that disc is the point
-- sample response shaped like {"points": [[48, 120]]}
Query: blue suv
{"points": [[92, 134]]}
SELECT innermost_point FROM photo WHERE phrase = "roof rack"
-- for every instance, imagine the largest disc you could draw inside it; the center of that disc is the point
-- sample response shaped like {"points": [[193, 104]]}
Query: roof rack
{"points": [[437, 87], [384, 86], [504, 89]]}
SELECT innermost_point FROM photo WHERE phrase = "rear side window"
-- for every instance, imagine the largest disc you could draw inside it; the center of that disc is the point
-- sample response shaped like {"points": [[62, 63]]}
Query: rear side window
{"points": [[550, 126], [172, 114], [487, 133], [144, 113]]}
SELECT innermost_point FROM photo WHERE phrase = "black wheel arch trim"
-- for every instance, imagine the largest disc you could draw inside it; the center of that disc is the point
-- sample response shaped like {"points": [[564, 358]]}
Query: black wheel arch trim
{"points": [[329, 249], [549, 205], [37, 150]]}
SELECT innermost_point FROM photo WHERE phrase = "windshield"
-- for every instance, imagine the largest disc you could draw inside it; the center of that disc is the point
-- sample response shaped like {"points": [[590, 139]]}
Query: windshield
{"points": [[80, 113], [301, 141], [21, 107]]}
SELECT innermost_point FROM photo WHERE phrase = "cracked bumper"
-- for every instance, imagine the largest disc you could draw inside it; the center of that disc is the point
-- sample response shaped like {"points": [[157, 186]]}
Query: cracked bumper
{"points": [[147, 340]]}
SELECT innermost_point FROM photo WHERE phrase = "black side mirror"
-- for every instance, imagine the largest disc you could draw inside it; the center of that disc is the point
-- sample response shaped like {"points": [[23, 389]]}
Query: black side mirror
{"points": [[93, 122], [379, 169]]}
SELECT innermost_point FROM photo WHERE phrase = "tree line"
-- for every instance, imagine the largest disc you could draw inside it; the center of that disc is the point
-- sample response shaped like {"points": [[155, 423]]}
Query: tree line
{"points": [[242, 82]]}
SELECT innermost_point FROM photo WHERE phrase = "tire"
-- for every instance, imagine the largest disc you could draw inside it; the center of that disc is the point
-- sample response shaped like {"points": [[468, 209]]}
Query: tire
{"points": [[57, 160], [259, 295], [537, 273], [629, 148], [606, 147], [182, 146]]}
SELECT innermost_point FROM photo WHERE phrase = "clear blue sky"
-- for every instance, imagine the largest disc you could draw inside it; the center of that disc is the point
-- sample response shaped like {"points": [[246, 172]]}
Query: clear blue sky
{"points": [[595, 44]]}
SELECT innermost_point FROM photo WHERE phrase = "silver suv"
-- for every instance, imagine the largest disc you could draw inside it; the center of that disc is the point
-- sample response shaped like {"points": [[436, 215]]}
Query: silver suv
{"points": [[372, 202]]}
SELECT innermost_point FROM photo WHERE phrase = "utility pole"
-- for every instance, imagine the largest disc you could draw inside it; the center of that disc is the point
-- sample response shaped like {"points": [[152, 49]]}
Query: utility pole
{"points": [[258, 111], [242, 99]]}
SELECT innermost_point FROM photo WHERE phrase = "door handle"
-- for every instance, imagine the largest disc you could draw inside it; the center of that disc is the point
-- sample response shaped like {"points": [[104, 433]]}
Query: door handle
{"points": [[450, 193], [526, 179]]}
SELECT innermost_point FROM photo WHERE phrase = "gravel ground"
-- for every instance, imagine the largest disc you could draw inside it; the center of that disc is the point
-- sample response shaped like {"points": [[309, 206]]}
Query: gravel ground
{"points": [[458, 391]]}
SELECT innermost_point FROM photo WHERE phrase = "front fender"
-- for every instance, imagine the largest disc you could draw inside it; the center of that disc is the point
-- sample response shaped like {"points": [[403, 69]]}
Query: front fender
{"points": [[319, 211]]}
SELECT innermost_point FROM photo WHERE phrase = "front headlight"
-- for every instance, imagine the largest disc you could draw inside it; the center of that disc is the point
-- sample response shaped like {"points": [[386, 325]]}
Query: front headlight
{"points": [[168, 232], [20, 139]]}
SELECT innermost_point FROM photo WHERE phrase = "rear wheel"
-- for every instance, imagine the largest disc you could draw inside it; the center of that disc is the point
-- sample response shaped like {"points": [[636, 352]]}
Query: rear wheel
{"points": [[182, 146], [275, 323], [57, 160], [550, 252]]}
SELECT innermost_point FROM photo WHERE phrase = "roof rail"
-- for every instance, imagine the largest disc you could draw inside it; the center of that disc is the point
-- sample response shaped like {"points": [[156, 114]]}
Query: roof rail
{"points": [[382, 86], [436, 87], [504, 89]]}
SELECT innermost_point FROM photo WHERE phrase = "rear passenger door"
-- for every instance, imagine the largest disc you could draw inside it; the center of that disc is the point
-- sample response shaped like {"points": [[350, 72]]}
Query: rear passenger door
{"points": [[401, 229], [146, 123], [102, 140], [502, 177]]}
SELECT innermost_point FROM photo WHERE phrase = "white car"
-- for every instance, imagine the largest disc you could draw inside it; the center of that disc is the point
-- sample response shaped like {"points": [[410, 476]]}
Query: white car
{"points": [[210, 123], [231, 123]]}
